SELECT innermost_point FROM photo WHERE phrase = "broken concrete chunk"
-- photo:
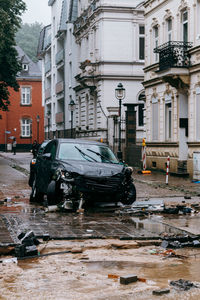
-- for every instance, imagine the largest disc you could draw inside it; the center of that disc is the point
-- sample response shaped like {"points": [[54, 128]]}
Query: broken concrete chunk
{"points": [[46, 237], [20, 250], [182, 284], [128, 279], [161, 292], [31, 250]]}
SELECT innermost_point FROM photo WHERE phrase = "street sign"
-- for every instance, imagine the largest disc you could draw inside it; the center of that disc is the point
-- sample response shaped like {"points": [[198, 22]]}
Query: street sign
{"points": [[7, 132]]}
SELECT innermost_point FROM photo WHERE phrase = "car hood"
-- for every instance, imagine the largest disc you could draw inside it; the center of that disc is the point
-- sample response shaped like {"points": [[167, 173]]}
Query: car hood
{"points": [[93, 168]]}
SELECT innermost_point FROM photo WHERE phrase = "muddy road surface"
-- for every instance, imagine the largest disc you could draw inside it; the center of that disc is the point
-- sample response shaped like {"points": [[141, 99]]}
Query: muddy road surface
{"points": [[85, 254]]}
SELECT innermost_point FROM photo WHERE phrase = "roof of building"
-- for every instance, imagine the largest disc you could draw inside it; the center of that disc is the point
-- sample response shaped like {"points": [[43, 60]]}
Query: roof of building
{"points": [[33, 69]]}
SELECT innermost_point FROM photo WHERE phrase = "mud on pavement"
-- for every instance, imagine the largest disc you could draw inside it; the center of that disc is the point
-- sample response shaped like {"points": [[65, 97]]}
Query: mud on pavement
{"points": [[85, 255]]}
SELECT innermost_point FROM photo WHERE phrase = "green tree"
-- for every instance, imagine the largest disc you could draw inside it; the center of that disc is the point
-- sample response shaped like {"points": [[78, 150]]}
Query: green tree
{"points": [[27, 38], [10, 12]]}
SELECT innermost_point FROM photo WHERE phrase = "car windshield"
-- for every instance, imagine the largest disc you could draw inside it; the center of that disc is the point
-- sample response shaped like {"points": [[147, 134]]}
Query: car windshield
{"points": [[72, 151]]}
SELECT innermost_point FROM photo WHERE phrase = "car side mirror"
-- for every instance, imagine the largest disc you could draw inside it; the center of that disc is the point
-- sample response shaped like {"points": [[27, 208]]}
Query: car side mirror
{"points": [[47, 155]]}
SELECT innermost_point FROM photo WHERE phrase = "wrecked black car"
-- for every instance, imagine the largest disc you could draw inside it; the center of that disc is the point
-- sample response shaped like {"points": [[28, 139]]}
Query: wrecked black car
{"points": [[74, 170]]}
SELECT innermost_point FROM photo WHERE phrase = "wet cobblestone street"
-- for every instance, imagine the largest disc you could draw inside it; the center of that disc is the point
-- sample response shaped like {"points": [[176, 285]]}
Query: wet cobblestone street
{"points": [[87, 252]]}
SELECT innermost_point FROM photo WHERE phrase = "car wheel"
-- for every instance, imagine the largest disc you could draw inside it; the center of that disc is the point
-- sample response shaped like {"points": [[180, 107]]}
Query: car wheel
{"points": [[53, 196], [35, 195], [130, 196]]}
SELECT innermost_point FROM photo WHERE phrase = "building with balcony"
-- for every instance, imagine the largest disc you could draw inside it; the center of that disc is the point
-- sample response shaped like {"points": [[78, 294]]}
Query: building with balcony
{"points": [[172, 83], [57, 50]]}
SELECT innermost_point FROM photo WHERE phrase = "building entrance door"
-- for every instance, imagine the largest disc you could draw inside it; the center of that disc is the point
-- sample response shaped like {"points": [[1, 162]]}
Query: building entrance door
{"points": [[183, 127]]}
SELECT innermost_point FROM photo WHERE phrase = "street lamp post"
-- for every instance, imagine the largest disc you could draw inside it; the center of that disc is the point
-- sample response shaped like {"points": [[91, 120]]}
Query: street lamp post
{"points": [[120, 95], [72, 107], [48, 119], [38, 122]]}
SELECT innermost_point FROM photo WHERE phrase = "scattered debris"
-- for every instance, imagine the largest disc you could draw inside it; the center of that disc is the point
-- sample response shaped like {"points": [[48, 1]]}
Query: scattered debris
{"points": [[183, 285], [161, 292], [9, 260], [186, 241], [52, 208], [28, 245], [76, 250], [166, 253], [113, 276], [128, 279], [142, 279]]}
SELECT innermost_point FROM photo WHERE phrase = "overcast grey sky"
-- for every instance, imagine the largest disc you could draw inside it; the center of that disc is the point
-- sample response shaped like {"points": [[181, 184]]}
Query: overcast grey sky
{"points": [[37, 10]]}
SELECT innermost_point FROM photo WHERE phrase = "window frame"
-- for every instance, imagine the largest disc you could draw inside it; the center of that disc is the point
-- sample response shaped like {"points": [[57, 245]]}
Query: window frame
{"points": [[141, 40], [169, 31], [24, 99], [26, 127], [185, 24], [156, 41]]}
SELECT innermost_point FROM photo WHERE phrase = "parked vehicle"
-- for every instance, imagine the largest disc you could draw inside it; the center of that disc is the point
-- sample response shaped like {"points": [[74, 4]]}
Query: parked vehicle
{"points": [[33, 161], [75, 170]]}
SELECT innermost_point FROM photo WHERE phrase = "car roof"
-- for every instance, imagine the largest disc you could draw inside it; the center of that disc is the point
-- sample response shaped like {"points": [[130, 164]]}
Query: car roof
{"points": [[80, 141]]}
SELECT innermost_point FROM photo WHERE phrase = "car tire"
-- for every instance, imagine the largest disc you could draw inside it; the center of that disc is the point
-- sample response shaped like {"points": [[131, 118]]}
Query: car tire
{"points": [[130, 195], [35, 195], [51, 193]]}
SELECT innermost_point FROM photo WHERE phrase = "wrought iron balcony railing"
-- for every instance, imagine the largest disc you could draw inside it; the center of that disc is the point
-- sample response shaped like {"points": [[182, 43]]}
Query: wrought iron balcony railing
{"points": [[174, 54]]}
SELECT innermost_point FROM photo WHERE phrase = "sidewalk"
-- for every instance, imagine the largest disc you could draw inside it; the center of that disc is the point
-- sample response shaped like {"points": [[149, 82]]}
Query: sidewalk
{"points": [[158, 179], [21, 159]]}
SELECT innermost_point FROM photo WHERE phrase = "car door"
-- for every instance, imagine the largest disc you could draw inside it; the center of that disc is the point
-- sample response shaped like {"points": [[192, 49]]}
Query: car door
{"points": [[45, 169]]}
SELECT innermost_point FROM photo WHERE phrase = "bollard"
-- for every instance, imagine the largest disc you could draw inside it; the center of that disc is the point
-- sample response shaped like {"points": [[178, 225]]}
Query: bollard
{"points": [[167, 172], [144, 154]]}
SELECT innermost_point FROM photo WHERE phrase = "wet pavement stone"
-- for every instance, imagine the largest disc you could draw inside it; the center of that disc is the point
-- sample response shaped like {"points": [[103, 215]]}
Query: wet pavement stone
{"points": [[6, 235], [68, 226]]}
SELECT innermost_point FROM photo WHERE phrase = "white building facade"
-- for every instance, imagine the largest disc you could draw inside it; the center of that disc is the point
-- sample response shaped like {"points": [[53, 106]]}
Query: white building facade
{"points": [[90, 47], [110, 39], [172, 83], [57, 49]]}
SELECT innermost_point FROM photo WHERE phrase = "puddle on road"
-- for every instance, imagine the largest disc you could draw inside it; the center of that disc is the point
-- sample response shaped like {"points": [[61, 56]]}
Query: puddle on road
{"points": [[154, 224]]}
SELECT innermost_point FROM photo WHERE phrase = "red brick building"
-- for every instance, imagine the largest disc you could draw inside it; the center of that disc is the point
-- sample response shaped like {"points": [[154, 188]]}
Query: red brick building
{"points": [[25, 118]]}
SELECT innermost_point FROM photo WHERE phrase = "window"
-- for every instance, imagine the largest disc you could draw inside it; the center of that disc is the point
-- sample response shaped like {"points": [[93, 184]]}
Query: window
{"points": [[169, 30], [168, 121], [141, 41], [25, 67], [26, 128], [154, 119], [185, 25], [87, 111], [79, 112], [141, 100], [25, 95], [156, 41]]}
